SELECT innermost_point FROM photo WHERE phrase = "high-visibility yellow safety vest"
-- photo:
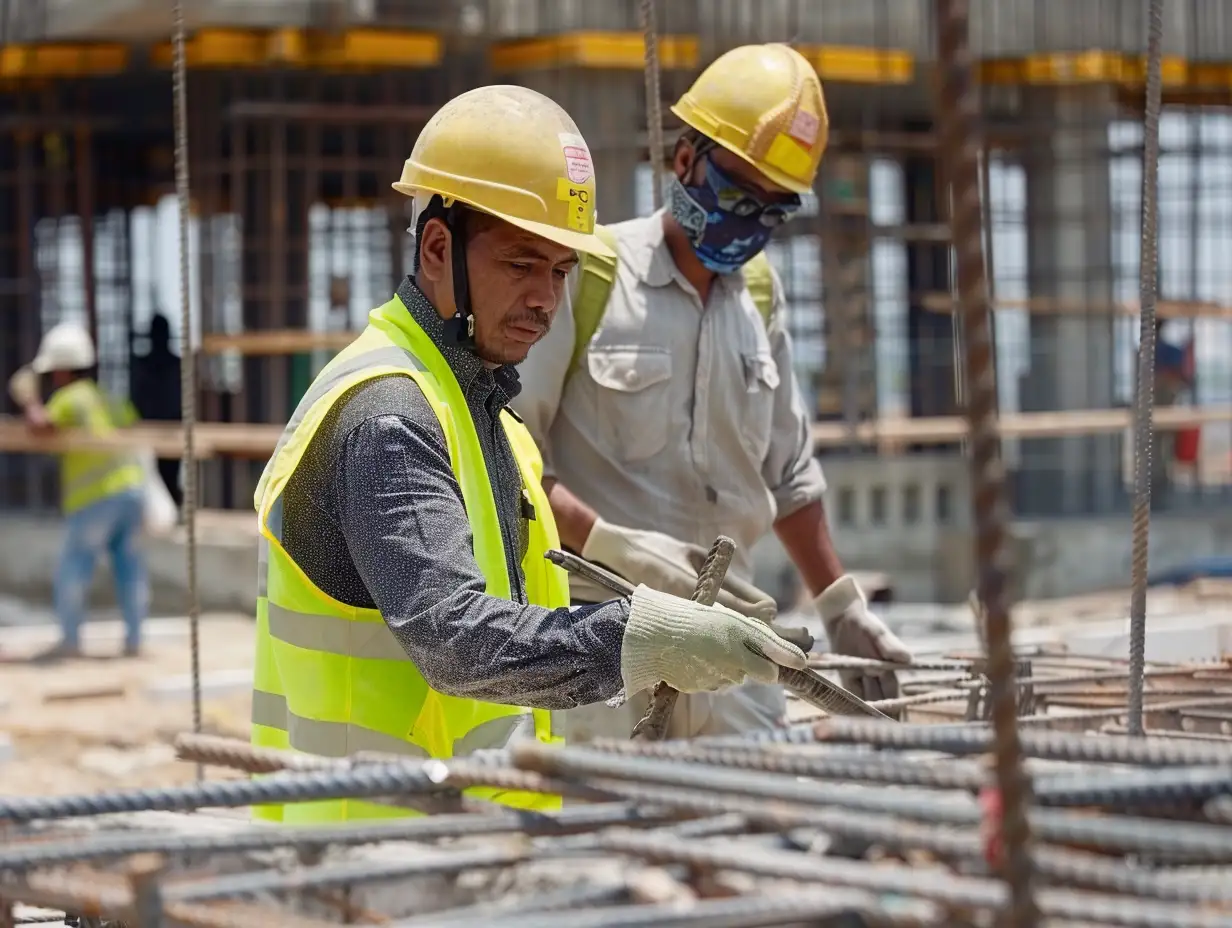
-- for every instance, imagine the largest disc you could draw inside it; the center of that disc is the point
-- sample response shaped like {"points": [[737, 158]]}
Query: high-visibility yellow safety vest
{"points": [[332, 679], [86, 477]]}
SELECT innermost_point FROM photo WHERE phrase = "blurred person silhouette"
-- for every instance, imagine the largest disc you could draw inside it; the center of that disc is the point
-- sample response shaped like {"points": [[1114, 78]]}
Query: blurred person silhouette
{"points": [[156, 394], [102, 492]]}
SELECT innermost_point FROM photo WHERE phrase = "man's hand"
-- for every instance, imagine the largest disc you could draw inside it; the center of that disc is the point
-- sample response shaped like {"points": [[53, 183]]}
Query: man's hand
{"points": [[24, 387], [856, 632], [36, 419], [663, 563], [697, 648]]}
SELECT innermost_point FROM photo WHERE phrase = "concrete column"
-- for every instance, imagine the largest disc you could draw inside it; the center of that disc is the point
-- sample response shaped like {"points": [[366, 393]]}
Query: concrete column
{"points": [[1069, 260]]}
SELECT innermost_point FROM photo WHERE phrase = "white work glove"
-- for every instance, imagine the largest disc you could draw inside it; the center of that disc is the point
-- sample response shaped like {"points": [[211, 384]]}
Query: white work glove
{"points": [[663, 563], [697, 648], [24, 387], [856, 632]]}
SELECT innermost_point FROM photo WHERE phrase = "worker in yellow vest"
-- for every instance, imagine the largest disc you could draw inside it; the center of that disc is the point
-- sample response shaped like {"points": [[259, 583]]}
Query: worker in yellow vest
{"points": [[405, 603], [102, 492], [665, 400]]}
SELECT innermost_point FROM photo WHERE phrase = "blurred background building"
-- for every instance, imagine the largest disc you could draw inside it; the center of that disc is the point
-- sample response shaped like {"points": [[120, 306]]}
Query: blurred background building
{"points": [[302, 111]]}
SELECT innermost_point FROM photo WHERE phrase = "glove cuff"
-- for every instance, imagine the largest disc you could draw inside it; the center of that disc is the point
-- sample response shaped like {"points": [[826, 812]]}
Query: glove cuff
{"points": [[838, 597], [603, 539], [654, 622]]}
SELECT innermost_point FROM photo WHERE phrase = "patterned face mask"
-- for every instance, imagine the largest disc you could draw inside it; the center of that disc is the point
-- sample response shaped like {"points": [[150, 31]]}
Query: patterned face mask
{"points": [[726, 223]]}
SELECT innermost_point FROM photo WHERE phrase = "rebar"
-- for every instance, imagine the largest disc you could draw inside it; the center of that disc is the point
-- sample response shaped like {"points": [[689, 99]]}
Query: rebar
{"points": [[830, 766], [803, 906], [344, 874], [1144, 401], [1121, 833], [959, 149], [188, 371], [366, 782], [1048, 745], [240, 755], [1124, 790], [654, 104], [653, 726], [950, 889], [102, 847]]}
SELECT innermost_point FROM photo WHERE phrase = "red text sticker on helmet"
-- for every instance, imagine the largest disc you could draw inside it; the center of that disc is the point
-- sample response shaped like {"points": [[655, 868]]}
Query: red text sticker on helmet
{"points": [[804, 128], [578, 166]]}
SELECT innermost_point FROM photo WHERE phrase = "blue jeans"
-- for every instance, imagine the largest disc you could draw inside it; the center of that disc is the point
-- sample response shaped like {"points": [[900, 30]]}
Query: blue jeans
{"points": [[112, 524]]}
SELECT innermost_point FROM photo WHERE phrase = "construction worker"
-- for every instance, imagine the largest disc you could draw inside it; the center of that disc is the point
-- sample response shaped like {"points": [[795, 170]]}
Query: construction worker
{"points": [[664, 398], [405, 604], [102, 492]]}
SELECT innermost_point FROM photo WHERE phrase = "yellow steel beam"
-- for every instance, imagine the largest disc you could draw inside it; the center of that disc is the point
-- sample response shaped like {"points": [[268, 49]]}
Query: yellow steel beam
{"points": [[624, 51], [860, 65], [302, 48], [1100, 67], [592, 51], [62, 59]]}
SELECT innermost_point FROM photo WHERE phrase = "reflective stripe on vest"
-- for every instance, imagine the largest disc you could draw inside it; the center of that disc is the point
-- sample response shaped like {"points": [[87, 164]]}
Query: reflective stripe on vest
{"points": [[80, 482], [334, 680], [342, 739]]}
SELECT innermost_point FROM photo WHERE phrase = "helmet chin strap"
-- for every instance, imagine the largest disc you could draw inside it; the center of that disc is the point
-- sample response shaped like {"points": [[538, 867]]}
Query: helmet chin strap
{"points": [[461, 328]]}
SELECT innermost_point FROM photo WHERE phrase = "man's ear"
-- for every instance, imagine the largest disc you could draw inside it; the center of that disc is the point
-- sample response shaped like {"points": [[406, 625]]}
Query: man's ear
{"points": [[434, 256], [683, 160]]}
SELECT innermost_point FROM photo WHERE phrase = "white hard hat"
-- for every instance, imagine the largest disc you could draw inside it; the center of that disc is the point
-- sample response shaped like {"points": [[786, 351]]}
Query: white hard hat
{"points": [[65, 347]]}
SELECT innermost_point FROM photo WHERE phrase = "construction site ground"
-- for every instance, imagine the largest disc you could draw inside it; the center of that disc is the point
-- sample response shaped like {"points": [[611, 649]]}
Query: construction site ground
{"points": [[106, 722]]}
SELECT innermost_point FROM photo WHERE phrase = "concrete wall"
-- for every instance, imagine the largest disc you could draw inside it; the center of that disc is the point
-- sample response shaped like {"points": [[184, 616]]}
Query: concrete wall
{"points": [[930, 559], [226, 566], [926, 561]]}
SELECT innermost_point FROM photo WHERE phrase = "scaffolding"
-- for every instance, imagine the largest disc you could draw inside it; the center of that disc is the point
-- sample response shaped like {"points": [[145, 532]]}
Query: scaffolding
{"points": [[296, 234]]}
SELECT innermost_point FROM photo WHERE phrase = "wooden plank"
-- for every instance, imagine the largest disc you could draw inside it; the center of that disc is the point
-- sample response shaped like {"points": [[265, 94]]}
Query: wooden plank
{"points": [[215, 439], [941, 430], [939, 302], [276, 342], [211, 439]]}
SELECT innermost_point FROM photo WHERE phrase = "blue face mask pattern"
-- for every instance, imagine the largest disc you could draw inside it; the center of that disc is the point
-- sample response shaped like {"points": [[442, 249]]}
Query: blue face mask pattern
{"points": [[726, 224]]}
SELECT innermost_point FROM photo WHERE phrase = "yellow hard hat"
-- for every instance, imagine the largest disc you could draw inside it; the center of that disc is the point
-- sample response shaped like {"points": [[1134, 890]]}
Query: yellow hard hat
{"points": [[512, 152], [763, 103]]}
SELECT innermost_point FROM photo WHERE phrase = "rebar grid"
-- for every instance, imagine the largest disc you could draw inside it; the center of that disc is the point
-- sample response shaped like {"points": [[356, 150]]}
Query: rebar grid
{"points": [[671, 806]]}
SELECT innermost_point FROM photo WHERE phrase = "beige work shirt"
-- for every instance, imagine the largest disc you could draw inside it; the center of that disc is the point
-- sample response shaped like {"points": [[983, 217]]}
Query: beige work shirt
{"points": [[681, 418]]}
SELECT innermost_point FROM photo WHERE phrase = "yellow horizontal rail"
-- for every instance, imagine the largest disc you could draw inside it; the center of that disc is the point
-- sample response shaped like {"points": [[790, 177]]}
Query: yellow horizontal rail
{"points": [[303, 48], [593, 51], [625, 51], [232, 48], [1098, 67], [63, 59]]}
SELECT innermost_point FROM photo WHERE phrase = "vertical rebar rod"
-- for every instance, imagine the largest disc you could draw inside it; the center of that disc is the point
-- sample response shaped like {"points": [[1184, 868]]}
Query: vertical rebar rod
{"points": [[188, 373], [1144, 403], [654, 107], [959, 152]]}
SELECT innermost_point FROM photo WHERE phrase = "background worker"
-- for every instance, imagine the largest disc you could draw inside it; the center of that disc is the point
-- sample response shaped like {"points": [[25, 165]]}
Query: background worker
{"points": [[665, 401], [102, 492], [407, 605], [156, 394]]}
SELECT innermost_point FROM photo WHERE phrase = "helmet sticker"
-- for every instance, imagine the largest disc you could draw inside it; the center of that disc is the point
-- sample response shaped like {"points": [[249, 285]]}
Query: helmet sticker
{"points": [[804, 128], [578, 166]]}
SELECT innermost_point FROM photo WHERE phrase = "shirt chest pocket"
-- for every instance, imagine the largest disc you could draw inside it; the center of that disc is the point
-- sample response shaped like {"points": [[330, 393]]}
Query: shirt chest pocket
{"points": [[761, 380], [632, 398]]}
